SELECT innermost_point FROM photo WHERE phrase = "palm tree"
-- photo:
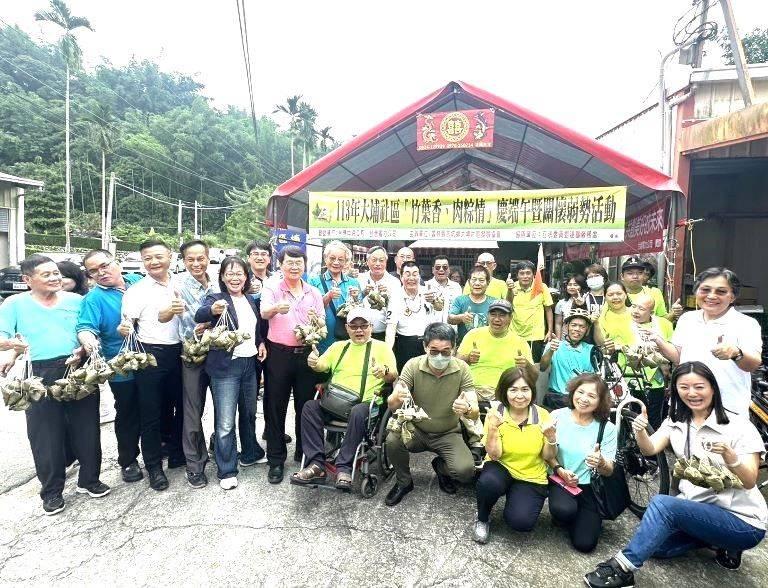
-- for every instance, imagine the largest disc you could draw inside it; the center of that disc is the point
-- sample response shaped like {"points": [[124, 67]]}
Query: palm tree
{"points": [[60, 15], [291, 108], [100, 122], [307, 131], [326, 139]]}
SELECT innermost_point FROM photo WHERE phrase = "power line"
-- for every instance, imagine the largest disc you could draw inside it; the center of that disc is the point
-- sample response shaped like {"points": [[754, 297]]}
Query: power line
{"points": [[247, 60], [184, 203]]}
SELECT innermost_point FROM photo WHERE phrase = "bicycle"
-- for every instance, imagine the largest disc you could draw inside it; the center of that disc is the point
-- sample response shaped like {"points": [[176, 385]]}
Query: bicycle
{"points": [[758, 409], [645, 476]]}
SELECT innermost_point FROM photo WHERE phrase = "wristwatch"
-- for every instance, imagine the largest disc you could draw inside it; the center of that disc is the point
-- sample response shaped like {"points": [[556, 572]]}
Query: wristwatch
{"points": [[556, 467], [738, 356]]}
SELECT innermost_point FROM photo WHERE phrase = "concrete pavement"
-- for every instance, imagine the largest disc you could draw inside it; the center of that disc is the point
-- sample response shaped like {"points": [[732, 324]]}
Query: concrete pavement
{"points": [[289, 536]]}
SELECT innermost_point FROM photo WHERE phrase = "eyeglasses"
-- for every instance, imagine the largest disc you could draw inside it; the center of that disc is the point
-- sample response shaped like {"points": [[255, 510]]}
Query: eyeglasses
{"points": [[230, 275], [440, 267], [444, 352], [259, 254], [97, 270], [358, 327], [478, 280], [484, 263], [337, 260]]}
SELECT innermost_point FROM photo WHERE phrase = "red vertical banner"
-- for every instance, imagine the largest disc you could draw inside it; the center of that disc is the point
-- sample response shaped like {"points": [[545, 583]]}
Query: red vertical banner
{"points": [[643, 233], [461, 129]]}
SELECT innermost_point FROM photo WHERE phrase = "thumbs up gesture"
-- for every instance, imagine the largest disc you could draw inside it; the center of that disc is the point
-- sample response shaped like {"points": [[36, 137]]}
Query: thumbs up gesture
{"points": [[549, 430], [313, 357], [677, 309], [640, 424], [177, 304], [474, 355], [219, 307], [520, 360], [377, 369], [510, 281], [595, 459], [461, 405]]}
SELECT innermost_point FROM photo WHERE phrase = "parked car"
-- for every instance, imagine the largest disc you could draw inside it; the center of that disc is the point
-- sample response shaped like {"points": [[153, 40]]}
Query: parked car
{"points": [[132, 264], [231, 253], [216, 254], [11, 281]]}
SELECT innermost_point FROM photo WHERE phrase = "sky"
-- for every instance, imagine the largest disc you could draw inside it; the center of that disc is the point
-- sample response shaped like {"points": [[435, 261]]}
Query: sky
{"points": [[588, 64]]}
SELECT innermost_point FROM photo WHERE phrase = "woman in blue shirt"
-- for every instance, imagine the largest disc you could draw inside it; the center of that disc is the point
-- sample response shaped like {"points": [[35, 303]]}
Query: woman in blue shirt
{"points": [[571, 500]]}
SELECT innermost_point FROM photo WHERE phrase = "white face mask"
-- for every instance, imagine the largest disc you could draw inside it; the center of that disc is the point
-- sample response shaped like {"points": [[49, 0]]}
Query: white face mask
{"points": [[595, 282], [439, 362]]}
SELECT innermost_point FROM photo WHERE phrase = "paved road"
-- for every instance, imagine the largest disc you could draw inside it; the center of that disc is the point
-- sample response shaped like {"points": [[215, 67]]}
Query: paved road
{"points": [[284, 535]]}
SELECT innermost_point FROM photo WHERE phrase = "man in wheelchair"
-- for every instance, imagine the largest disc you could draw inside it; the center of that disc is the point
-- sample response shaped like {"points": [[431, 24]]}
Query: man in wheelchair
{"points": [[359, 369]]}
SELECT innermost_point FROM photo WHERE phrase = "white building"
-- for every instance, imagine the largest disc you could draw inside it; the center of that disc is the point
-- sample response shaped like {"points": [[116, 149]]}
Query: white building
{"points": [[12, 189]]}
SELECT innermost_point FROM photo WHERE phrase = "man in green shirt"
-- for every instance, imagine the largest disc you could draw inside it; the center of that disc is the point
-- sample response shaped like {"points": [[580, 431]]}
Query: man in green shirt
{"points": [[441, 385], [633, 272], [362, 364]]}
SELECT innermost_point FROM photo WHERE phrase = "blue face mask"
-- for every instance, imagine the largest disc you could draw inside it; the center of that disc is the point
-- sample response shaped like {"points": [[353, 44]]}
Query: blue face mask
{"points": [[439, 362]]}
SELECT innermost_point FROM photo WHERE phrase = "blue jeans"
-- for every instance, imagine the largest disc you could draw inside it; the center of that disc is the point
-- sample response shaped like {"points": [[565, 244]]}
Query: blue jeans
{"points": [[238, 386], [673, 526]]}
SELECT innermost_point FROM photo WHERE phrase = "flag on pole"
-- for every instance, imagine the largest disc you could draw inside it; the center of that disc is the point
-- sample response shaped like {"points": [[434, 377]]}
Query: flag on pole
{"points": [[538, 282]]}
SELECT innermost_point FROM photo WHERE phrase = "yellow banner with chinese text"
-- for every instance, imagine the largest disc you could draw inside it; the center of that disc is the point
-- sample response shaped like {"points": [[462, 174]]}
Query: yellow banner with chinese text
{"points": [[567, 214]]}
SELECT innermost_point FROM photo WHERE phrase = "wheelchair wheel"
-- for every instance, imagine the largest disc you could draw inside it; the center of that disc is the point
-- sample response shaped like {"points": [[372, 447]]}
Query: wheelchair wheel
{"points": [[385, 468], [646, 476], [369, 486]]}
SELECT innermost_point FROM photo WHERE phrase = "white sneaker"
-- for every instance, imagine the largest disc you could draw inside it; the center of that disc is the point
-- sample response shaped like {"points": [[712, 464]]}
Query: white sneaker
{"points": [[228, 483], [481, 532]]}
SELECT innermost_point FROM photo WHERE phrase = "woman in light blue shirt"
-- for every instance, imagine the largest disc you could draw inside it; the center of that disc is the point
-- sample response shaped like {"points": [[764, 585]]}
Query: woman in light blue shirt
{"points": [[571, 500]]}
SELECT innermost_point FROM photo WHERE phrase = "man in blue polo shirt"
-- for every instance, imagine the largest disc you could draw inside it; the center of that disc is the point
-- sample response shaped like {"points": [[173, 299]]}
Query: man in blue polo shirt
{"points": [[97, 327], [568, 358], [45, 319]]}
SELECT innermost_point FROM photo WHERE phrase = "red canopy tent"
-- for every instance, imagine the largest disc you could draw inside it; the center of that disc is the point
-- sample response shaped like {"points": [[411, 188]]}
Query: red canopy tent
{"points": [[529, 152]]}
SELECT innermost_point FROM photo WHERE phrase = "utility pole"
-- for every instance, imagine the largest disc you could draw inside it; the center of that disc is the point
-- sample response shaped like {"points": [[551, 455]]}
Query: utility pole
{"points": [[697, 50], [745, 82], [107, 234], [197, 235], [178, 226], [67, 169]]}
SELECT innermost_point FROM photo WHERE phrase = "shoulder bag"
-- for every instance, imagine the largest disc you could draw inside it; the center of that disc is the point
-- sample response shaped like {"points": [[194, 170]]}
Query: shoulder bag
{"points": [[611, 492], [338, 401]]}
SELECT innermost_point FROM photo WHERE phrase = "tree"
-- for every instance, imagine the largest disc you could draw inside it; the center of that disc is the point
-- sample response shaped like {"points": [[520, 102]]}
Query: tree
{"points": [[241, 227], [307, 131], [327, 141], [60, 15], [291, 108], [755, 47]]}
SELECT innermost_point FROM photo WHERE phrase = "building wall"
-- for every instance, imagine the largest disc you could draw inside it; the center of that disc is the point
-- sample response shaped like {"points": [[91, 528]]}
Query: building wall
{"points": [[715, 99], [8, 200]]}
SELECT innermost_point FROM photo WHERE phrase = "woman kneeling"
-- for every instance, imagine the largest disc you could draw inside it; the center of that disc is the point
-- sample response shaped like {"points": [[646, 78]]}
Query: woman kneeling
{"points": [[579, 455], [519, 440], [731, 518]]}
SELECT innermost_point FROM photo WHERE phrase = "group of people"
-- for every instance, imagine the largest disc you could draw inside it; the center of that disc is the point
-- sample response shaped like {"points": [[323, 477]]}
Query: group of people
{"points": [[470, 359]]}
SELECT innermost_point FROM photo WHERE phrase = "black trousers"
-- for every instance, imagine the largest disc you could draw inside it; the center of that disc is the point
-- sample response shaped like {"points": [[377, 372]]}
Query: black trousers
{"points": [[127, 421], [656, 407], [155, 385], [286, 371], [537, 350], [554, 400], [313, 419], [379, 336], [524, 499], [50, 423], [406, 348], [578, 514]]}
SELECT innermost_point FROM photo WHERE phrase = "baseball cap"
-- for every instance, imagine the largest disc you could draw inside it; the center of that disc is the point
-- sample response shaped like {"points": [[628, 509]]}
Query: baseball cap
{"points": [[503, 305], [360, 312], [633, 262]]}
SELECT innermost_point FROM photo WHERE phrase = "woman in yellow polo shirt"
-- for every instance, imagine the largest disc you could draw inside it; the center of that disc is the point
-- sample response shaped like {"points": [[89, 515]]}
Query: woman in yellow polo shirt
{"points": [[614, 327], [519, 439]]}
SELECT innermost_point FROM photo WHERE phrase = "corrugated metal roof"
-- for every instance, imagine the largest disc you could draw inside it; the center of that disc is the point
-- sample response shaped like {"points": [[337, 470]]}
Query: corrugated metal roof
{"points": [[17, 181]]}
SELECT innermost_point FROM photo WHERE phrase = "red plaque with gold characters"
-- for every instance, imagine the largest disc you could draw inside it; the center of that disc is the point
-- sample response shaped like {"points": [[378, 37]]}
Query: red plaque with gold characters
{"points": [[461, 129]]}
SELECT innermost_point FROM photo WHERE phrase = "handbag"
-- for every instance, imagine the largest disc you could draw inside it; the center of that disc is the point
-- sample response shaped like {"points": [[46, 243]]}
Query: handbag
{"points": [[338, 401], [611, 492], [339, 327]]}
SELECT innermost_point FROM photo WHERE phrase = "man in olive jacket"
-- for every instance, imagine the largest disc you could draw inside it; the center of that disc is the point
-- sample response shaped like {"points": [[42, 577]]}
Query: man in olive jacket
{"points": [[442, 386]]}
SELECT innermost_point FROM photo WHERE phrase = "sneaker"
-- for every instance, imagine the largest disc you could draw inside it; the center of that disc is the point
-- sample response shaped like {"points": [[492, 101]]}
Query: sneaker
{"points": [[481, 532], [54, 505], [728, 559], [131, 473], [247, 464], [95, 490], [157, 479], [228, 483], [197, 480], [478, 454], [610, 574]]}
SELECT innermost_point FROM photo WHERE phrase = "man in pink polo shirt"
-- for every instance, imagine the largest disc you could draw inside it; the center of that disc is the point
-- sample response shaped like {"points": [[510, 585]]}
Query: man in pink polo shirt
{"points": [[285, 304]]}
